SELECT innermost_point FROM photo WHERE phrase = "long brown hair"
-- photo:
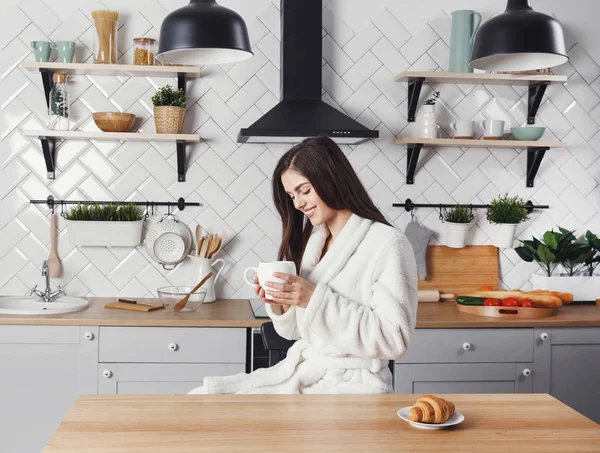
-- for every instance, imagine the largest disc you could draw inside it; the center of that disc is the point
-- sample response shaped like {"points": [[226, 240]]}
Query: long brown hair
{"points": [[324, 164]]}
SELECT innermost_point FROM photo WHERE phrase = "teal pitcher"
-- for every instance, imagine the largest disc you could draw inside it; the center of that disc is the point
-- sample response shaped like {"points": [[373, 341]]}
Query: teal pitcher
{"points": [[465, 24]]}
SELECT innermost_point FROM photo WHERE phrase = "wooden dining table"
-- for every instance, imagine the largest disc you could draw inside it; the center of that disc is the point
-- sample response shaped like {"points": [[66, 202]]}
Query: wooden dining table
{"points": [[493, 423]]}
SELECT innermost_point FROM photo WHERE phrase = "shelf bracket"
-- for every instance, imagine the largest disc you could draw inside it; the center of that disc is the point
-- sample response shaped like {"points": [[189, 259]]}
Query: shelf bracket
{"points": [[536, 93], [414, 149], [535, 156], [181, 81], [180, 160], [47, 76], [414, 91], [48, 148]]}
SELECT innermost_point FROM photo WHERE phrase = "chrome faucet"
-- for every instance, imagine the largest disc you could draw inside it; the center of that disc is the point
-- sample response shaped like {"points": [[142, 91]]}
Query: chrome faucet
{"points": [[47, 295]]}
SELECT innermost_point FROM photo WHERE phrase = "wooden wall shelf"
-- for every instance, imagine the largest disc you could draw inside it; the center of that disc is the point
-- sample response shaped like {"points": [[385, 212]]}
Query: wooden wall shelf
{"points": [[48, 140], [537, 85], [535, 151], [125, 70]]}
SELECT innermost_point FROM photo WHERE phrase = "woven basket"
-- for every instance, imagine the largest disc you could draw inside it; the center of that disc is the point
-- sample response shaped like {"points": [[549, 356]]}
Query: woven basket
{"points": [[169, 119]]}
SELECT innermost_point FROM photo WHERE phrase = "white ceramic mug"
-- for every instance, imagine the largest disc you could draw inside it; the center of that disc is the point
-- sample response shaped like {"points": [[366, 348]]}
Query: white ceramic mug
{"points": [[462, 129], [265, 272], [493, 128]]}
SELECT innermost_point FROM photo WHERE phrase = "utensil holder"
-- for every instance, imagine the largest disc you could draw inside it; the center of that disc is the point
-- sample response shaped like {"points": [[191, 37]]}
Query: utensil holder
{"points": [[202, 266]]}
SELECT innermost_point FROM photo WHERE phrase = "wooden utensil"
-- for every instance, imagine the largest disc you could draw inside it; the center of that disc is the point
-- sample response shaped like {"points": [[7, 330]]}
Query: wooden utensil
{"points": [[127, 301], [133, 307], [198, 238], [54, 267], [204, 247], [217, 247], [433, 295], [184, 301]]}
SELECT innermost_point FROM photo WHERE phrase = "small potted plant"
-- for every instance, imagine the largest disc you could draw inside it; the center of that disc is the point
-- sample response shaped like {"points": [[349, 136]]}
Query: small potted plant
{"points": [[427, 119], [505, 213], [169, 110], [458, 222], [117, 225], [578, 259]]}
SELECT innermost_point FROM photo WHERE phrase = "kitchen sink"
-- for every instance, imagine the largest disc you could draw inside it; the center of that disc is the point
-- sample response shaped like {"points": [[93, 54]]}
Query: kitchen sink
{"points": [[30, 305]]}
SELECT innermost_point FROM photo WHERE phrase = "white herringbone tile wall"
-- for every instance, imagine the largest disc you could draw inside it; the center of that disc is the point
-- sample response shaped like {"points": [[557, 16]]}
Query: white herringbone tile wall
{"points": [[364, 45]]}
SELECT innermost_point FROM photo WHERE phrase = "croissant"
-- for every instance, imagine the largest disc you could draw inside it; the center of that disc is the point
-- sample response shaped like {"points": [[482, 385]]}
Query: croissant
{"points": [[431, 409]]}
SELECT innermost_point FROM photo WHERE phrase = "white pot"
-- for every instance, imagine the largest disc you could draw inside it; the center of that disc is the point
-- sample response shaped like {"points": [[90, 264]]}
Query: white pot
{"points": [[202, 266], [456, 233], [583, 288], [108, 234], [503, 234], [427, 122]]}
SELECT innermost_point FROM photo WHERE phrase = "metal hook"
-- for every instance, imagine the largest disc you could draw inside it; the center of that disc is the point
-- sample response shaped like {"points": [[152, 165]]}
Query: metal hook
{"points": [[168, 208], [146, 215], [441, 216], [62, 208], [412, 215]]}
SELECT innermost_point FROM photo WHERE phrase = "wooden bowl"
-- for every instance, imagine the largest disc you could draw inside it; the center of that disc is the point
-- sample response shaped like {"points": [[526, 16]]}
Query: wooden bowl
{"points": [[114, 121]]}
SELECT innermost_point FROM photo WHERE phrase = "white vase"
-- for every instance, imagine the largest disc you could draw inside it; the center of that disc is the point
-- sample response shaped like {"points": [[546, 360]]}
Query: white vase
{"points": [[427, 122], [583, 288], [202, 266], [503, 234], [107, 234], [456, 233]]}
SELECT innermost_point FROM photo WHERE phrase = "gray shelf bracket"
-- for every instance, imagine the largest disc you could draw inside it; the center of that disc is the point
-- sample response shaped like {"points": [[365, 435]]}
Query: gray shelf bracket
{"points": [[534, 99], [181, 161], [49, 148], [412, 157], [181, 81], [47, 81]]}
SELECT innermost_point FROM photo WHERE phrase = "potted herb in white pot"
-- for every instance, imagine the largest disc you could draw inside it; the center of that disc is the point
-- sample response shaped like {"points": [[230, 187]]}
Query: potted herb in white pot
{"points": [[578, 259], [427, 121], [116, 225], [458, 221], [505, 213], [169, 110]]}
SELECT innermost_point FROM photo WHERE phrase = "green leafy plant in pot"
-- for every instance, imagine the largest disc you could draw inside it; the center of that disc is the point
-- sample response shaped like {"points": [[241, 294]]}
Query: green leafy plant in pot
{"points": [[505, 213], [578, 258], [458, 221], [169, 110], [118, 225]]}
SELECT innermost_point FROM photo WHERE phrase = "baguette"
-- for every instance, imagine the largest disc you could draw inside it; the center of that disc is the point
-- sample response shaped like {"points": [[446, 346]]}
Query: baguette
{"points": [[566, 298], [539, 300]]}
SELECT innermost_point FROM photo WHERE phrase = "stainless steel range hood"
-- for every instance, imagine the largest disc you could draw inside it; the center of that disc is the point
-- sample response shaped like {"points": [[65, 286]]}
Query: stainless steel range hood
{"points": [[301, 113]]}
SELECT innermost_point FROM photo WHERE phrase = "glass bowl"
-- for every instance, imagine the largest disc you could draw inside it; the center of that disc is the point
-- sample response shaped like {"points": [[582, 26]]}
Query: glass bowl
{"points": [[170, 295]]}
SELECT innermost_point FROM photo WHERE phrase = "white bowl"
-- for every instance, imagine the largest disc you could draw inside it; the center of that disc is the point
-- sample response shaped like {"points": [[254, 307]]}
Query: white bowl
{"points": [[170, 295]]}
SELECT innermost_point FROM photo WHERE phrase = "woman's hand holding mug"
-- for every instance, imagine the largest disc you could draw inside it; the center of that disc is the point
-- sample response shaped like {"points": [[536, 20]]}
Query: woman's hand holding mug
{"points": [[296, 291]]}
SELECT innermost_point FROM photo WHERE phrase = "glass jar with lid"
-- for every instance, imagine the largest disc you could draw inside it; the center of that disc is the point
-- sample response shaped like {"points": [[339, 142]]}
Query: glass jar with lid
{"points": [[143, 51], [58, 108]]}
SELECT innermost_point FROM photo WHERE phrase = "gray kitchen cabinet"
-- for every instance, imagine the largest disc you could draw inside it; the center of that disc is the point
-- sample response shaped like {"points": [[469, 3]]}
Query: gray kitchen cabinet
{"points": [[43, 369], [463, 378], [568, 367], [167, 360], [158, 378]]}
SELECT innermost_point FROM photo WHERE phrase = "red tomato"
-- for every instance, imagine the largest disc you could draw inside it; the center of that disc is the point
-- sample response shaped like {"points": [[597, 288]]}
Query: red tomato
{"points": [[492, 303], [527, 303], [510, 302]]}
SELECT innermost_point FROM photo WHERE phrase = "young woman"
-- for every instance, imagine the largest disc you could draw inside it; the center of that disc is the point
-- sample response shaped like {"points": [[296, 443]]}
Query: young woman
{"points": [[353, 305]]}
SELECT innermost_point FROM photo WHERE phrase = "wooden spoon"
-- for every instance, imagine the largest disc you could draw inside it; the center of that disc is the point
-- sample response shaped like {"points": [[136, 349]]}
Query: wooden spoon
{"points": [[198, 237], [54, 267], [216, 248], [204, 247], [184, 301]]}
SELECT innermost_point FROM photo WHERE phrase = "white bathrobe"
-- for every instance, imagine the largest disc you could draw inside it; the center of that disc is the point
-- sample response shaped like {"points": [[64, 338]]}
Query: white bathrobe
{"points": [[361, 315]]}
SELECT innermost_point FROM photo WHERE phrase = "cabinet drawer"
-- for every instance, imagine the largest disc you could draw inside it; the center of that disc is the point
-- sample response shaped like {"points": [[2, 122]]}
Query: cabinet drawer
{"points": [[470, 345], [170, 344]]}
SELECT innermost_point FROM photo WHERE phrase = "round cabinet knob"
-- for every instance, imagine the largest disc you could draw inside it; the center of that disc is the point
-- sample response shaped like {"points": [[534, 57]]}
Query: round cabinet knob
{"points": [[107, 373], [526, 372], [466, 346], [544, 336], [88, 336], [173, 346]]}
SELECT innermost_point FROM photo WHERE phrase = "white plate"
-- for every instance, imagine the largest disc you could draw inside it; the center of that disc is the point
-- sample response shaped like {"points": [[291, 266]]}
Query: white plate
{"points": [[455, 419]]}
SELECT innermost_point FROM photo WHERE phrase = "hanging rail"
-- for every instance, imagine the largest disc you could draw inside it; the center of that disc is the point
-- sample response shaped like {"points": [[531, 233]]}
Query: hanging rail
{"points": [[409, 205], [180, 204]]}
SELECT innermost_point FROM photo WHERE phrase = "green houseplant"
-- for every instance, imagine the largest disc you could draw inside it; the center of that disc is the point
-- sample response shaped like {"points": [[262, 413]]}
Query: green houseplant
{"points": [[458, 222], [577, 257], [169, 110], [116, 225], [505, 213]]}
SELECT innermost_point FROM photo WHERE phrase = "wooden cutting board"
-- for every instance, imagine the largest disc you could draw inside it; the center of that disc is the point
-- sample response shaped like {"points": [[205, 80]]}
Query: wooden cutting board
{"points": [[461, 271], [132, 307]]}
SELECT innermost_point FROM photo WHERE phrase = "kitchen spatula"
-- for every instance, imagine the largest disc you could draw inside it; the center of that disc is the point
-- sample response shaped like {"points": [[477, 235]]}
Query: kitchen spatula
{"points": [[54, 266]]}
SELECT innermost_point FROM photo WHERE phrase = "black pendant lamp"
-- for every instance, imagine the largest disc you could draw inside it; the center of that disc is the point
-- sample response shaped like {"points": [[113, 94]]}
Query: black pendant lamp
{"points": [[520, 39], [203, 32]]}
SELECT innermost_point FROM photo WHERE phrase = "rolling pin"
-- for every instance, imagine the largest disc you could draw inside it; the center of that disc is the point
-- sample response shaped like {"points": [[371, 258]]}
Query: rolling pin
{"points": [[432, 295]]}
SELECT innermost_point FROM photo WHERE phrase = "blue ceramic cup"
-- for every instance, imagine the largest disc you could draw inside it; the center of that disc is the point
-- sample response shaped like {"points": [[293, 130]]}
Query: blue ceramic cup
{"points": [[41, 50]]}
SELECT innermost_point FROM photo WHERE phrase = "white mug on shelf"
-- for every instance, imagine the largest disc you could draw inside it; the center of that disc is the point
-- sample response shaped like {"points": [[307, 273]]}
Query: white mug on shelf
{"points": [[462, 129], [494, 129], [265, 272]]}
